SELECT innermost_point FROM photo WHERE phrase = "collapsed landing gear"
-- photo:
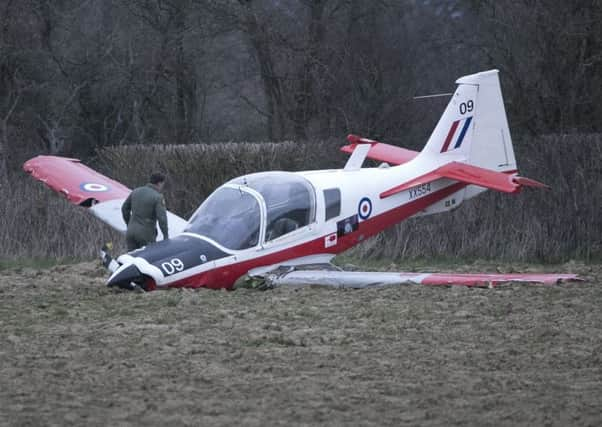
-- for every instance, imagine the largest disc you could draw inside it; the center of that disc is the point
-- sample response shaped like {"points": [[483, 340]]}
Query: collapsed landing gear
{"points": [[128, 278], [107, 259]]}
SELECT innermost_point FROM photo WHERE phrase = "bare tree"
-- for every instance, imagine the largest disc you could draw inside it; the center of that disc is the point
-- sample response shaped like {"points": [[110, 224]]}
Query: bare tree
{"points": [[550, 55]]}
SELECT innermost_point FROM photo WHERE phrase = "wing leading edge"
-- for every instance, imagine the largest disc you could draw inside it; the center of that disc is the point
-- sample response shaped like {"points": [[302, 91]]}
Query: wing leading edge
{"points": [[75, 181]]}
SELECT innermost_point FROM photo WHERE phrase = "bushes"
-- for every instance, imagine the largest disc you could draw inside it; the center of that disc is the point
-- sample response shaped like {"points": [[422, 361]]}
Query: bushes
{"points": [[553, 225], [194, 171], [37, 223]]}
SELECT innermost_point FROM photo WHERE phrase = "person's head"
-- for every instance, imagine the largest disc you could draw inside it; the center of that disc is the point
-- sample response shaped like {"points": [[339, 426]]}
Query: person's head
{"points": [[157, 179]]}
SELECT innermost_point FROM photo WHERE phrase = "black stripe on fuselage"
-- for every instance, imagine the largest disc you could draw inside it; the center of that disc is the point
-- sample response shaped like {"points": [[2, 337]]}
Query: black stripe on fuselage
{"points": [[191, 251]]}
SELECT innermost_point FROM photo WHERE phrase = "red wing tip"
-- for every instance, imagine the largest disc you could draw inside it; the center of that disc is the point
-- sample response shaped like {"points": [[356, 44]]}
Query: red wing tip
{"points": [[355, 139], [491, 280], [29, 165], [528, 182]]}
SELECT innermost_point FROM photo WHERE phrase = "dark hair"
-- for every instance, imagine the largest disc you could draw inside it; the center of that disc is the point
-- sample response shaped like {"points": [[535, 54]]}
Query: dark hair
{"points": [[157, 177]]}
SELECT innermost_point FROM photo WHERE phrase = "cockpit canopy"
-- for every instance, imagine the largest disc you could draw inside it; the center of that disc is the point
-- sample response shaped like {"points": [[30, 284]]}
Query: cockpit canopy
{"points": [[254, 208]]}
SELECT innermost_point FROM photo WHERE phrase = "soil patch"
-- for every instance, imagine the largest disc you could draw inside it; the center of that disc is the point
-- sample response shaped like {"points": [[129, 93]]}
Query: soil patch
{"points": [[73, 352]]}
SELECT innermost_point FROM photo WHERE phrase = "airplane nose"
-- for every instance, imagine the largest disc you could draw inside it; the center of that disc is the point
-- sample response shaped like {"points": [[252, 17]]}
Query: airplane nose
{"points": [[124, 276]]}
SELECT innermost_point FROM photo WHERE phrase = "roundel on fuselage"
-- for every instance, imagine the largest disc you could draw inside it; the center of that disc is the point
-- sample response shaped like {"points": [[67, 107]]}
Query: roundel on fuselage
{"points": [[364, 208]]}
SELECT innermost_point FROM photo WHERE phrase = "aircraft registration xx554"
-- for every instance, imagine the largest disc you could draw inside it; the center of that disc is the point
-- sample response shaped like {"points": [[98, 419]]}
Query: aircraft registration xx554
{"points": [[255, 223]]}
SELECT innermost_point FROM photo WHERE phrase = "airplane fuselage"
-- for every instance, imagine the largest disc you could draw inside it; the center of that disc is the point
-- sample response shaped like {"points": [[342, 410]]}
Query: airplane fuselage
{"points": [[344, 208]]}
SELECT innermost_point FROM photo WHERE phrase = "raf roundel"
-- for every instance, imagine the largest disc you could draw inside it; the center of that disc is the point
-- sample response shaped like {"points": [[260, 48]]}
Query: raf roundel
{"points": [[93, 187], [364, 209]]}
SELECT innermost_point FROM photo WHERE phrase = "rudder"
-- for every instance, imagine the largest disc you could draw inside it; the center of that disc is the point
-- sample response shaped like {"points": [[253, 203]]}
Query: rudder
{"points": [[473, 128]]}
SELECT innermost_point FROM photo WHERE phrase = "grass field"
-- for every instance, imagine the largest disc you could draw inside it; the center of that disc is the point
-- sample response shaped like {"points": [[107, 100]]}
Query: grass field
{"points": [[73, 352]]}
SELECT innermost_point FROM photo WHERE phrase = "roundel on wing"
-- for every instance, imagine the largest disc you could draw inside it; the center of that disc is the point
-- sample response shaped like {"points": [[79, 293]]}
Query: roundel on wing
{"points": [[93, 187], [364, 209]]}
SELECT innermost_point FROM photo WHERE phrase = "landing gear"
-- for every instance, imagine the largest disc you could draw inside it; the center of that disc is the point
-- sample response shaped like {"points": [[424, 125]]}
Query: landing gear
{"points": [[107, 259]]}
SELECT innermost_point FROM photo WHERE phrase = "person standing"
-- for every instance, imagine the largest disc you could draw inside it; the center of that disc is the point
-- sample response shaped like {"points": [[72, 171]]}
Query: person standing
{"points": [[144, 207]]}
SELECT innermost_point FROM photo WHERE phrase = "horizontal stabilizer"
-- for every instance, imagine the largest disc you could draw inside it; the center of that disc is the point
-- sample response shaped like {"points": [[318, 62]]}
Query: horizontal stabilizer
{"points": [[507, 182], [379, 151], [528, 182]]}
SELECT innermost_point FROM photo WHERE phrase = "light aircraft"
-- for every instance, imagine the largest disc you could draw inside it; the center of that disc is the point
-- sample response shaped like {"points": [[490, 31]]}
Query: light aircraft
{"points": [[257, 223]]}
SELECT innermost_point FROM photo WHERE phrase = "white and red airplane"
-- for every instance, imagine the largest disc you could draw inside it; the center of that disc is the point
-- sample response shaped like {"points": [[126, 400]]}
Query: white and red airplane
{"points": [[258, 222]]}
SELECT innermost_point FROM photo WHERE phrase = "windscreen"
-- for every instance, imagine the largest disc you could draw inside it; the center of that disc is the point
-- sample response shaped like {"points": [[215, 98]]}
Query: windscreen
{"points": [[289, 200], [229, 216]]}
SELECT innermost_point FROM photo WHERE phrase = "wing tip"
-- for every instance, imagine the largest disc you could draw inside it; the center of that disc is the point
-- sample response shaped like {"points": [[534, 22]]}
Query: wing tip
{"points": [[522, 181], [356, 139]]}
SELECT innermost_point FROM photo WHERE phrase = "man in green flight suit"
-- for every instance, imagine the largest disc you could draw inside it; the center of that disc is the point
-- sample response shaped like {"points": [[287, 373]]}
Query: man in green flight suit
{"points": [[144, 207]]}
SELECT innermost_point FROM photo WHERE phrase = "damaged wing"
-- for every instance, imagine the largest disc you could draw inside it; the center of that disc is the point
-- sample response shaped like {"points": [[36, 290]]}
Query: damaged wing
{"points": [[370, 279], [85, 187]]}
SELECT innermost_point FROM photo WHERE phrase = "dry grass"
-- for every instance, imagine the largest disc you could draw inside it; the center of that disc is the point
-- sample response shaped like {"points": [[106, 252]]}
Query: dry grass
{"points": [[36, 223], [73, 352]]}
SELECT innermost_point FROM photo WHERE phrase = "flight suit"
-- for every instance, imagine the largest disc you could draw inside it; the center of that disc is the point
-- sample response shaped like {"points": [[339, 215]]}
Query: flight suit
{"points": [[141, 211]]}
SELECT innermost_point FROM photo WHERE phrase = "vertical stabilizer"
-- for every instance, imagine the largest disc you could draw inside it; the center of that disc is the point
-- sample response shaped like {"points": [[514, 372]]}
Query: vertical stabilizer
{"points": [[473, 128]]}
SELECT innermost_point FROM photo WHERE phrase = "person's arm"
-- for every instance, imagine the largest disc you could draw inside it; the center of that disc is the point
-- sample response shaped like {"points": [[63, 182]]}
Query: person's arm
{"points": [[126, 209], [161, 213]]}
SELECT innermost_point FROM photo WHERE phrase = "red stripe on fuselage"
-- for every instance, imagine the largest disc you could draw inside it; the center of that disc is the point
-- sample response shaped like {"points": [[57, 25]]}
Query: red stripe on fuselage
{"points": [[450, 135], [224, 277]]}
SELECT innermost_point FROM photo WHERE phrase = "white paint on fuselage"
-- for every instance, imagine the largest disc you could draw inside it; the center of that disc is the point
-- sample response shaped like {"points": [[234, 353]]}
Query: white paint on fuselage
{"points": [[354, 186], [371, 182]]}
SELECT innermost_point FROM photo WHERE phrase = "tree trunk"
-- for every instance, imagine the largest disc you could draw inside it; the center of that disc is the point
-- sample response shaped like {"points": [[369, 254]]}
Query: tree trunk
{"points": [[304, 98], [260, 42]]}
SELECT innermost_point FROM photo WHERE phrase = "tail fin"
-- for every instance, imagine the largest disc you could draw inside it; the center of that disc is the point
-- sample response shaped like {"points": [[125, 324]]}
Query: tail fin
{"points": [[470, 144], [473, 128]]}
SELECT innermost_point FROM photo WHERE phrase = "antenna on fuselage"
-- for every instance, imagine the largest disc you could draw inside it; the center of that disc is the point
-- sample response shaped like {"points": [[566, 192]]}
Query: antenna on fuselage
{"points": [[435, 95]]}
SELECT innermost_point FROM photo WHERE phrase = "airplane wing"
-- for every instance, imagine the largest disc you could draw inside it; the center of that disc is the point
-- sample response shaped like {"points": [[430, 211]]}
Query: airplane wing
{"points": [[85, 187], [508, 182], [371, 279], [379, 151]]}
